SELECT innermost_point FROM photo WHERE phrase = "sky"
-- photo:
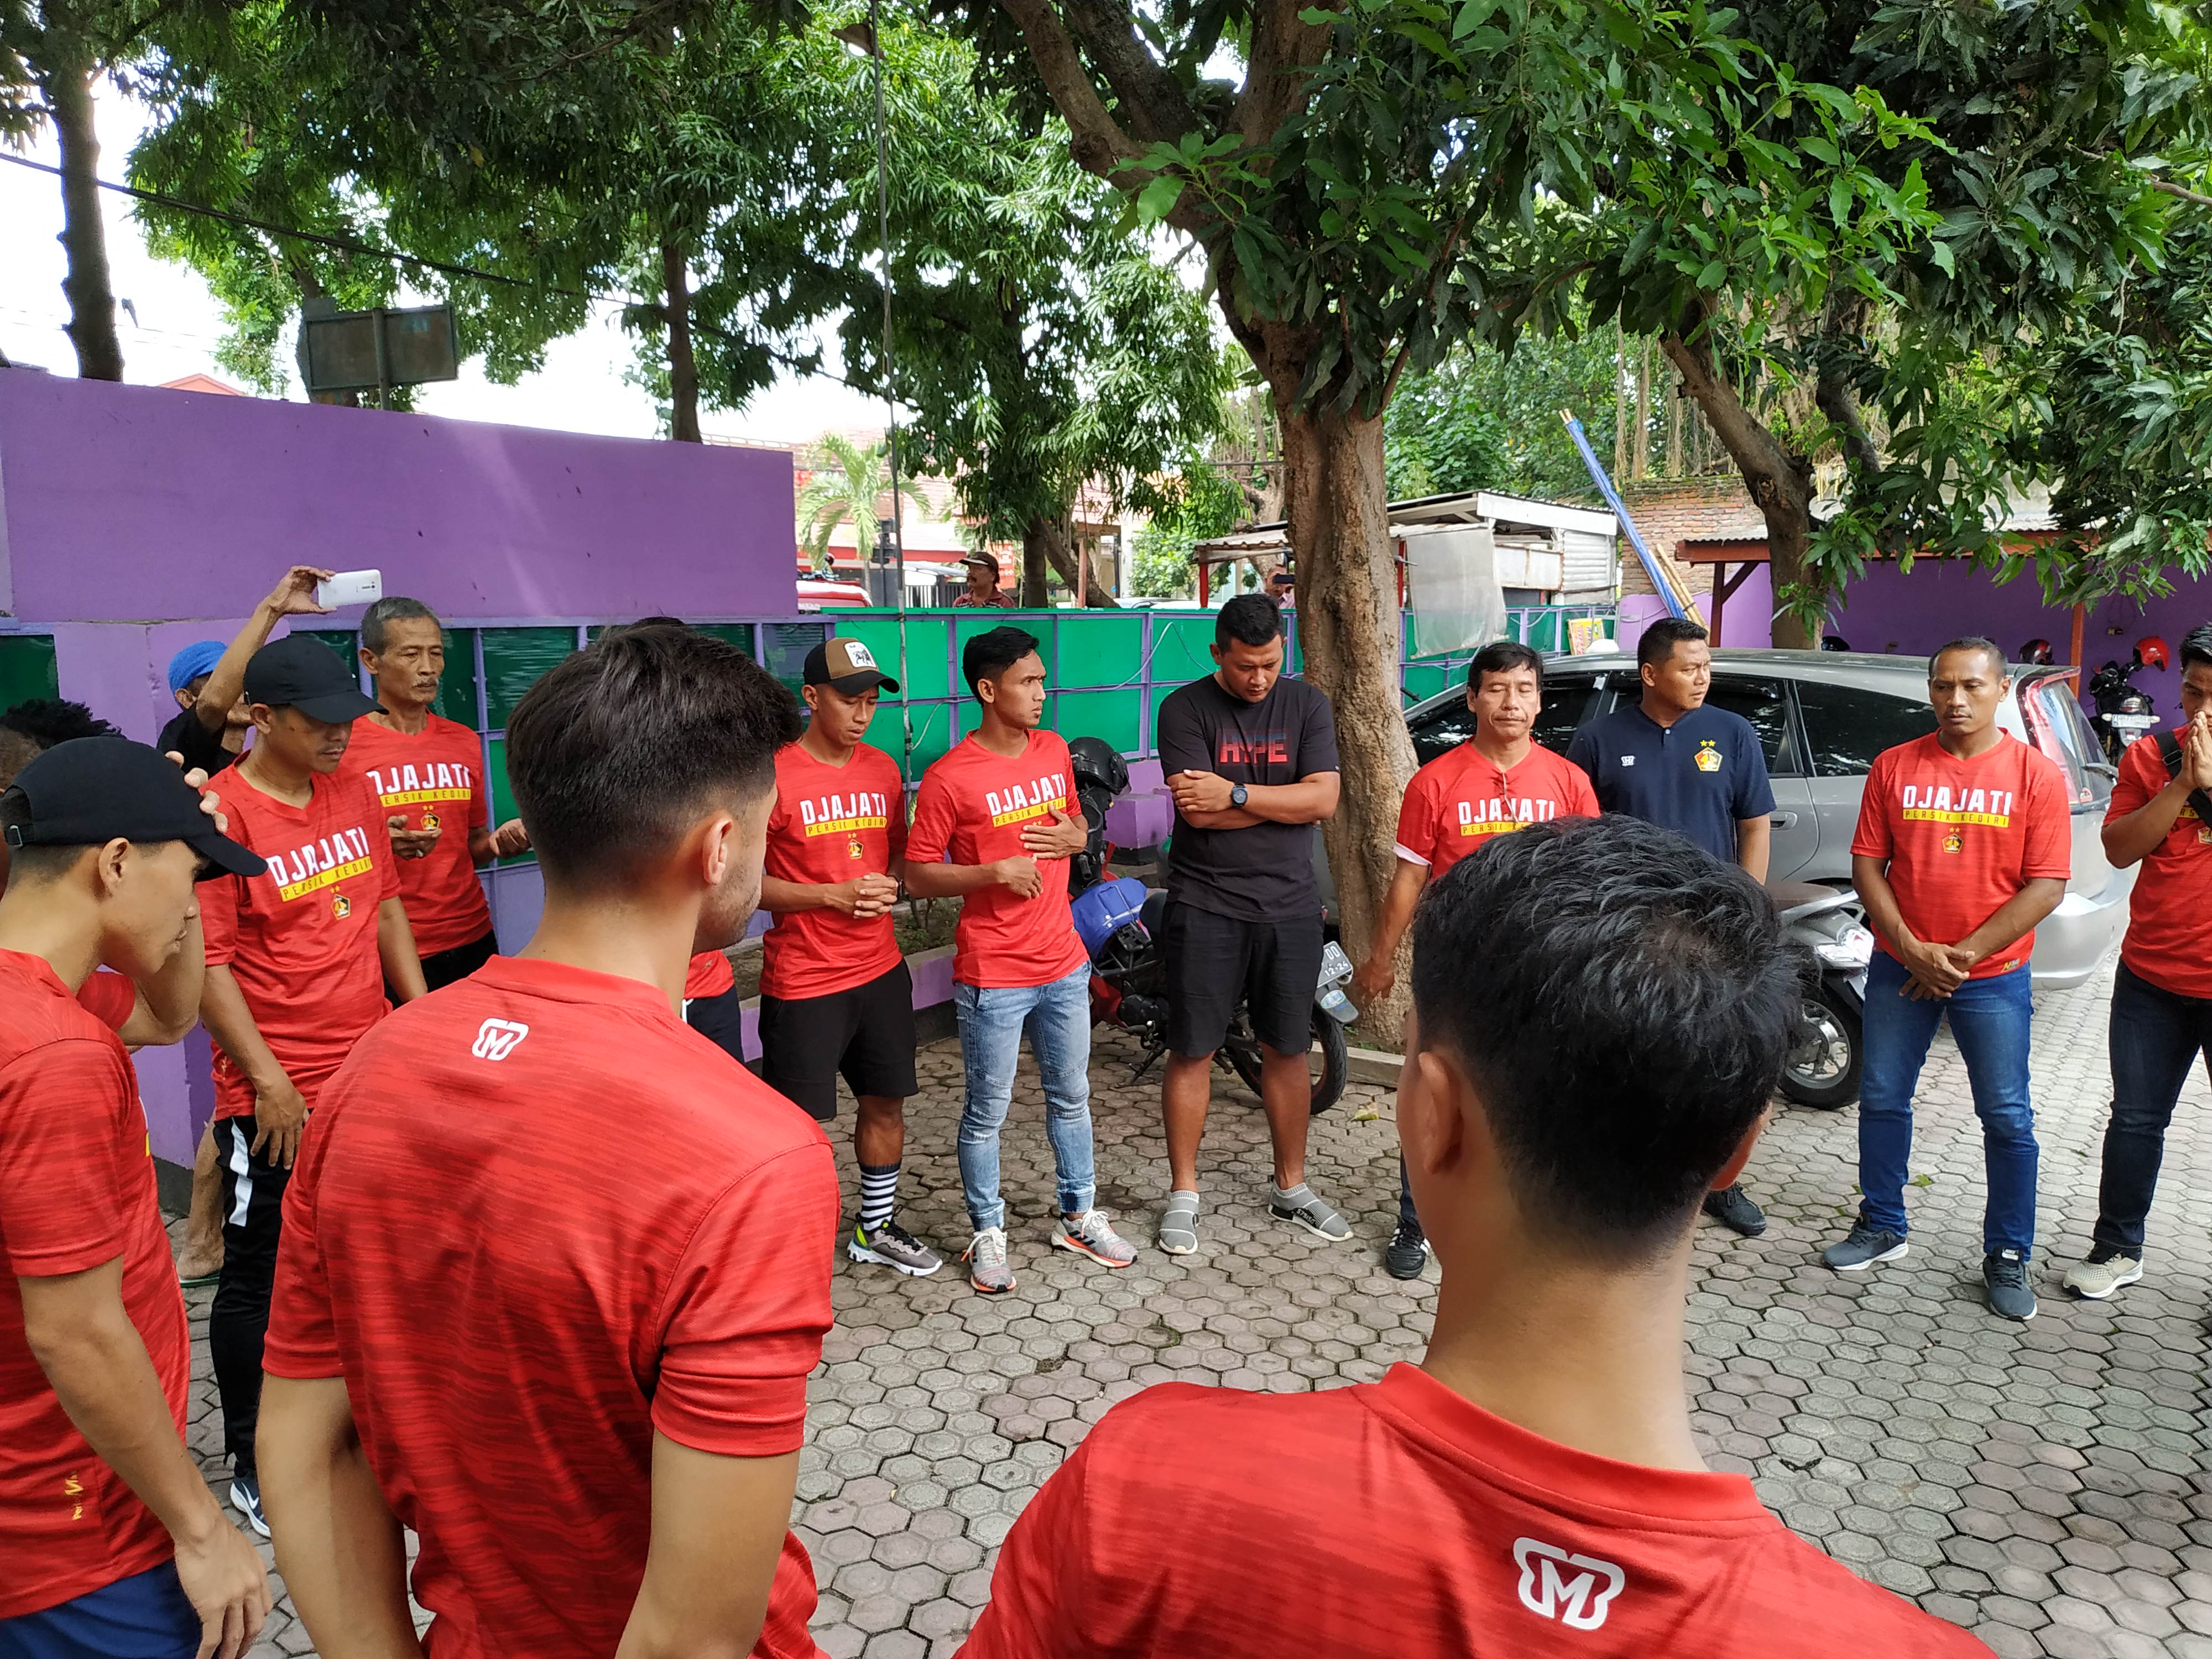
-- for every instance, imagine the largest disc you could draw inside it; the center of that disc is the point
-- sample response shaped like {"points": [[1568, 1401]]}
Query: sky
{"points": [[177, 325]]}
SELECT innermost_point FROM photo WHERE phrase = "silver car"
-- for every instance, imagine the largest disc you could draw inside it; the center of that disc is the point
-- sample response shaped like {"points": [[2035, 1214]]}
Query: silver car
{"points": [[1823, 716]]}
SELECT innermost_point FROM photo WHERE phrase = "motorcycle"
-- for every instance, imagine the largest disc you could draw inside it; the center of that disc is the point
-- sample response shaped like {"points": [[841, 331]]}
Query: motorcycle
{"points": [[1822, 1070], [2124, 714], [1120, 919]]}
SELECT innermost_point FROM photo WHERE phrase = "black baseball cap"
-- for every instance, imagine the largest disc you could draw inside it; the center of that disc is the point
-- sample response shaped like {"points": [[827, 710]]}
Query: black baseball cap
{"points": [[846, 667], [298, 672], [90, 791]]}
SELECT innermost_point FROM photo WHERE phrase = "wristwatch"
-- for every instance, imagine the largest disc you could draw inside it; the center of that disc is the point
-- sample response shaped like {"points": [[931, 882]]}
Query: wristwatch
{"points": [[1238, 794]]}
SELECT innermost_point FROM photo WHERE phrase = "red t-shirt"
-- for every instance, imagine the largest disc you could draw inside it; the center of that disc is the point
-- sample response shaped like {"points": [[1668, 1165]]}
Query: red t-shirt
{"points": [[708, 975], [76, 1190], [108, 998], [2169, 940], [301, 938], [972, 806], [1459, 800], [1396, 1518], [1963, 836], [435, 779], [830, 824], [512, 1325]]}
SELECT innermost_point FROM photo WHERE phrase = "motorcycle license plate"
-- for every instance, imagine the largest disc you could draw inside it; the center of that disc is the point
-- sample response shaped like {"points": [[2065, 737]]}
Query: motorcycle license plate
{"points": [[1335, 965]]}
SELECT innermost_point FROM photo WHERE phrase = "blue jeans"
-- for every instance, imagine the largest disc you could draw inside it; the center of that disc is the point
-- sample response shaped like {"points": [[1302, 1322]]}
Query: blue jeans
{"points": [[1056, 1016], [1990, 1021], [2155, 1037]]}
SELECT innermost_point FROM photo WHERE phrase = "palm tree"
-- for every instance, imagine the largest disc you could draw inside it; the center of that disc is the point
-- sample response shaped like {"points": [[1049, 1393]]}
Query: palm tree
{"points": [[849, 488]]}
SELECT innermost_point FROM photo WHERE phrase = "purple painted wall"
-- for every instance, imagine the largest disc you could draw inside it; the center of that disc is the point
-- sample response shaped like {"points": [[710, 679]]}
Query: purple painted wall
{"points": [[1912, 612], [135, 520], [1747, 618], [160, 504]]}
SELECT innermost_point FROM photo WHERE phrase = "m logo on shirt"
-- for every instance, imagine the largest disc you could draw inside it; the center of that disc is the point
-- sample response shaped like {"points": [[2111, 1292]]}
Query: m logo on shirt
{"points": [[322, 863], [1938, 803], [1578, 1590], [497, 1038], [1236, 750], [1025, 801]]}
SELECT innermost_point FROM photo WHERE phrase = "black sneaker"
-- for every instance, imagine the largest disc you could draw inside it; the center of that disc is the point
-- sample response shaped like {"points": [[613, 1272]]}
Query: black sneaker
{"points": [[2005, 1273], [1732, 1208], [246, 1499], [1408, 1252]]}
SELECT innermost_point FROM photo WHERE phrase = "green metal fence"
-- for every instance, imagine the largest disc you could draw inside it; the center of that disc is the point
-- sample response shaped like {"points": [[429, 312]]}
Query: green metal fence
{"points": [[1108, 671]]}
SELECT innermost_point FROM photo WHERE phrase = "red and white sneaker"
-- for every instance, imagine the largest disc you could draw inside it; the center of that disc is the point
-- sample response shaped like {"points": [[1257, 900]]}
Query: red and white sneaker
{"points": [[1089, 1235]]}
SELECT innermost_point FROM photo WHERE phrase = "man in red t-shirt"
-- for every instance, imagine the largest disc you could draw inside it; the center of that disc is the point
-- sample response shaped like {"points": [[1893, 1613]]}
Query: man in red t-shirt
{"points": [[1499, 781], [428, 775], [111, 1541], [2161, 819], [1964, 844], [835, 996], [298, 959], [992, 826], [584, 1395], [1533, 1487]]}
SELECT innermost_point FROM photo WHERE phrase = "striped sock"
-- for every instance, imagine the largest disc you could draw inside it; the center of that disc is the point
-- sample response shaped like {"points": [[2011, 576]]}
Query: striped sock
{"points": [[879, 1191]]}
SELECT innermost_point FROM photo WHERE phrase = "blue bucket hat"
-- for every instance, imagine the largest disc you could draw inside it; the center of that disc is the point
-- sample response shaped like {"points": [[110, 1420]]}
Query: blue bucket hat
{"points": [[195, 659]]}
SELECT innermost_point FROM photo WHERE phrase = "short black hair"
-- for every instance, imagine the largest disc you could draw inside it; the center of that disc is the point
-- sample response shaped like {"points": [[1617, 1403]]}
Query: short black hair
{"points": [[1660, 639], [49, 720], [991, 655], [2197, 646], [1249, 619], [385, 612], [613, 753], [1969, 642], [1652, 999], [1503, 657], [30, 728]]}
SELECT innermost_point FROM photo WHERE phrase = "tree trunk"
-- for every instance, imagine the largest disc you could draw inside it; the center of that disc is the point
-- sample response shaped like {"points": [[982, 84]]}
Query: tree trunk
{"points": [[1780, 482], [1047, 546], [682, 367], [84, 235], [1349, 629]]}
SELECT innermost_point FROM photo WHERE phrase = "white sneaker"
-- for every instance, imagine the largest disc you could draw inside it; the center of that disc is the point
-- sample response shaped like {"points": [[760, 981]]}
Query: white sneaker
{"points": [[2096, 1280]]}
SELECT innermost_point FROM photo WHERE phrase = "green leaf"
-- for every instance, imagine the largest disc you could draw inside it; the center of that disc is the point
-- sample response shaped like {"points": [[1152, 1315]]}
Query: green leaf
{"points": [[1157, 199], [1712, 276]]}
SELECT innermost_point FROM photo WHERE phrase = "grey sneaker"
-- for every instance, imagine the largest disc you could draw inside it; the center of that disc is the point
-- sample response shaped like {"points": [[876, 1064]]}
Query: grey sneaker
{"points": [[2005, 1275], [891, 1246], [1864, 1246], [1089, 1235], [1178, 1234], [2105, 1272], [989, 1270], [1302, 1208]]}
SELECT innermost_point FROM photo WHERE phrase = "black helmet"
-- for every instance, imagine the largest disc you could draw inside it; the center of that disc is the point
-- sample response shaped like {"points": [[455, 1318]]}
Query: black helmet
{"points": [[2035, 651], [1098, 766]]}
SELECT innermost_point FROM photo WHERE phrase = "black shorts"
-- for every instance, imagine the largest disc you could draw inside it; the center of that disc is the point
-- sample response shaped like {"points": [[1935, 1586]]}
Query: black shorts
{"points": [[721, 1020], [442, 967], [1213, 963], [865, 1034]]}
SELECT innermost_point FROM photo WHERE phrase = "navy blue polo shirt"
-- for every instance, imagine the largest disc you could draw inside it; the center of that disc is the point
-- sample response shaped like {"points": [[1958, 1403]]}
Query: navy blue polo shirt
{"points": [[1698, 777]]}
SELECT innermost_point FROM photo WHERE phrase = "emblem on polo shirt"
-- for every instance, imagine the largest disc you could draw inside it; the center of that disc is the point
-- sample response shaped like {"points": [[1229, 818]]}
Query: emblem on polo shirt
{"points": [[1578, 1590], [341, 906], [1708, 758], [429, 820], [1955, 843]]}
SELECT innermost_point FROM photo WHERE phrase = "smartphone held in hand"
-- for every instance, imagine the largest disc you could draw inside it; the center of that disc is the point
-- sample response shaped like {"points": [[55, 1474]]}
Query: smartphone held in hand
{"points": [[351, 587]]}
